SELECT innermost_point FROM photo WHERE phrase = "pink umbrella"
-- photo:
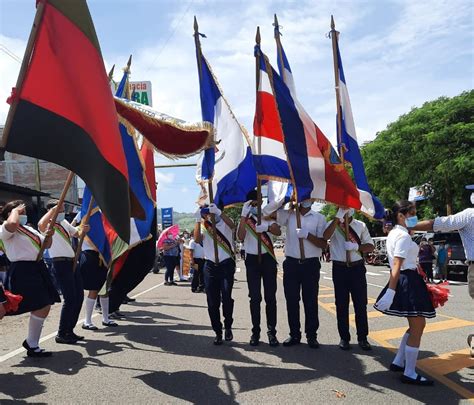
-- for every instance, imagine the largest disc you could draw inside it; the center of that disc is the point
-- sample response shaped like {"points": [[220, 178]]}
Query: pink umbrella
{"points": [[173, 230]]}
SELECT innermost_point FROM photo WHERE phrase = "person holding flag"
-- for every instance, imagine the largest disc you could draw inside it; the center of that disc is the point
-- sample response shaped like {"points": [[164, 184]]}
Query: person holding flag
{"points": [[27, 275], [62, 255], [219, 269], [349, 276], [260, 267]]}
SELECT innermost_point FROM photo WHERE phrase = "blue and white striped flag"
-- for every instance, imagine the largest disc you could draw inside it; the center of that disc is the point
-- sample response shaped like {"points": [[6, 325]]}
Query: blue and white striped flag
{"points": [[351, 149]]}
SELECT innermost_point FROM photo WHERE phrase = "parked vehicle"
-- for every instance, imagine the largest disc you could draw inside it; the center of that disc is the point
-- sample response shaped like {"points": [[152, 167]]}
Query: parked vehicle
{"points": [[457, 265], [379, 255]]}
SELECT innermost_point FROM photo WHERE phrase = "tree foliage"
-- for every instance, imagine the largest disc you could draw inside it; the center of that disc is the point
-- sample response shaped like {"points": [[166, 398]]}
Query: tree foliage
{"points": [[431, 144]]}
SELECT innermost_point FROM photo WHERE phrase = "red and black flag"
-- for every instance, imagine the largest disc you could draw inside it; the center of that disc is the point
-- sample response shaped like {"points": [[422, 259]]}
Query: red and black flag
{"points": [[63, 110]]}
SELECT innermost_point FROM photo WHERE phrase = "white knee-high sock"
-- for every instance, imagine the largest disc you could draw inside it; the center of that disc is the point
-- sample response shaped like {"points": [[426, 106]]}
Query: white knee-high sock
{"points": [[35, 327], [399, 359], [90, 302], [411, 355], [104, 303]]}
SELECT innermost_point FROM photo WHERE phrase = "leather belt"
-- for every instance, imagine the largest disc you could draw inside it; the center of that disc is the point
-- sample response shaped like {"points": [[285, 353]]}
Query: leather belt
{"points": [[350, 264], [62, 259]]}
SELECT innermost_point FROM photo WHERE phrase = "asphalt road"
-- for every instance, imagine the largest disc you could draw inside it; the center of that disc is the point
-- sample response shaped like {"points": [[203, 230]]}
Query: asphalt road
{"points": [[163, 352]]}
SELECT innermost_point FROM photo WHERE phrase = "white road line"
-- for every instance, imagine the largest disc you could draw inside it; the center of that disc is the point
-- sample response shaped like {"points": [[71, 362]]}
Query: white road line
{"points": [[373, 274], [323, 272], [327, 278], [51, 335], [376, 285]]}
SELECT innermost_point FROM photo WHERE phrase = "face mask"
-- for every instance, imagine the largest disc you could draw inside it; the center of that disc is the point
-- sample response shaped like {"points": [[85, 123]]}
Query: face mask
{"points": [[472, 198], [253, 210], [23, 219], [411, 221], [306, 204], [61, 216]]}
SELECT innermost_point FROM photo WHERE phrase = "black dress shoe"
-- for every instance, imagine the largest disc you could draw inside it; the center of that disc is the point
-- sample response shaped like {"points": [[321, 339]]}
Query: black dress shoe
{"points": [[116, 315], [254, 340], [228, 336], [419, 380], [365, 345], [77, 337], [313, 343], [218, 340], [110, 323], [89, 327], [291, 341], [34, 351], [396, 368], [65, 340], [344, 345], [130, 299], [272, 340]]}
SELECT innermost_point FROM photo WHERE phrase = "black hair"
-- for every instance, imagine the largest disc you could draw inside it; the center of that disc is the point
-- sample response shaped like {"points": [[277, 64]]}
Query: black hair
{"points": [[8, 207], [402, 206], [252, 195], [51, 203]]}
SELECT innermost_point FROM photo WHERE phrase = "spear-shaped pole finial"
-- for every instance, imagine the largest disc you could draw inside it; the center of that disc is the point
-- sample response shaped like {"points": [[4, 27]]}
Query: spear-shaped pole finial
{"points": [[129, 63], [333, 26], [196, 26], [257, 36], [276, 25], [111, 73]]}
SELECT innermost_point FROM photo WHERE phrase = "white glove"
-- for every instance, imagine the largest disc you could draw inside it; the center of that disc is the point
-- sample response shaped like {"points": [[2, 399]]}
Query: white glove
{"points": [[385, 302], [246, 209], [301, 233], [197, 215], [351, 246], [341, 212], [214, 210], [261, 228]]}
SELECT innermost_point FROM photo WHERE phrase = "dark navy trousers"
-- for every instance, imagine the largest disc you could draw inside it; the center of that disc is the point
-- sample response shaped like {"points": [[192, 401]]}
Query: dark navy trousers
{"points": [[265, 271], [350, 281], [301, 278], [219, 281], [71, 287]]}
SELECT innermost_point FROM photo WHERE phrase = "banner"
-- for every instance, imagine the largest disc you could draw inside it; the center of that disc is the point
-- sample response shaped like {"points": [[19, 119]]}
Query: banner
{"points": [[141, 92], [167, 217]]}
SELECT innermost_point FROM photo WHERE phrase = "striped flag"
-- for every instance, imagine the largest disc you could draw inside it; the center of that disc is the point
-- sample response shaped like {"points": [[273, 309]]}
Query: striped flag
{"points": [[313, 166], [351, 149], [229, 164]]}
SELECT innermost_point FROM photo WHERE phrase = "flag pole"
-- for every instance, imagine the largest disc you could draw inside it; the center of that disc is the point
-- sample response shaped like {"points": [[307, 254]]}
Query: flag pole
{"points": [[259, 151], [21, 75], [334, 38], [209, 181], [67, 184], [84, 221], [294, 196]]}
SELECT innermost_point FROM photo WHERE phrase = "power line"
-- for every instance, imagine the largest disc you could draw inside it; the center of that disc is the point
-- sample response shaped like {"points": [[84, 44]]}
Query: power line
{"points": [[7, 51]]}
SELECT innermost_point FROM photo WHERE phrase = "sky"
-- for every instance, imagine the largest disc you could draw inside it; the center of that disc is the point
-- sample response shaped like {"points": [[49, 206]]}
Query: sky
{"points": [[397, 54]]}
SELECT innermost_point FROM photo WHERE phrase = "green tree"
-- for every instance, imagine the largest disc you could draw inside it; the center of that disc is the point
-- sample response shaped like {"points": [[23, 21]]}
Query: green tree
{"points": [[431, 144]]}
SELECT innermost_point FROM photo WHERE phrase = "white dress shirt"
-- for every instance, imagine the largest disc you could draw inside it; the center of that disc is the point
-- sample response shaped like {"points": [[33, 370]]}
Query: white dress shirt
{"points": [[313, 221], [251, 243], [338, 238], [198, 251], [19, 247], [400, 244], [464, 223], [208, 242], [61, 247]]}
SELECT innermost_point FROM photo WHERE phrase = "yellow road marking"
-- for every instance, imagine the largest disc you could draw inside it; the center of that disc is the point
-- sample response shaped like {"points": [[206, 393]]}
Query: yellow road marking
{"points": [[394, 333], [326, 296]]}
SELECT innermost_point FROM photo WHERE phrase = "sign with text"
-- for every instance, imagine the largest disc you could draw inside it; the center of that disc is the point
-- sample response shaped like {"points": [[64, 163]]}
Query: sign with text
{"points": [[141, 92], [167, 217]]}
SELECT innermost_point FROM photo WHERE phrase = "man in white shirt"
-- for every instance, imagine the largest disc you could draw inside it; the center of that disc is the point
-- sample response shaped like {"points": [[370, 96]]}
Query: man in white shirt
{"points": [[62, 255], [197, 262], [349, 276], [218, 271], [302, 274], [258, 269], [464, 223]]}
